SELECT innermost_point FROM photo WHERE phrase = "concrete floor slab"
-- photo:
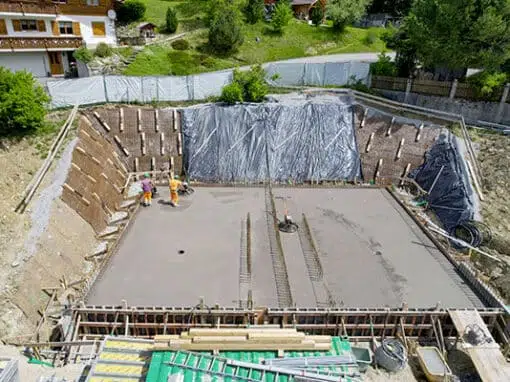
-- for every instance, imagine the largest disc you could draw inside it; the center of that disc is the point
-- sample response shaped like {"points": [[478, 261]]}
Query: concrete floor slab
{"points": [[371, 252]]}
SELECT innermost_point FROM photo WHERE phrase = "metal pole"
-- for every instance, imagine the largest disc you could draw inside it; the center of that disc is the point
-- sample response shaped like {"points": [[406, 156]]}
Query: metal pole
{"points": [[435, 180]]}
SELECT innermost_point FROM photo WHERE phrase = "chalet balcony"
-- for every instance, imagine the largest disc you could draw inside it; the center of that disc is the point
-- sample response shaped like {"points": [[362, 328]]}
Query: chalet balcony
{"points": [[38, 7], [43, 43]]}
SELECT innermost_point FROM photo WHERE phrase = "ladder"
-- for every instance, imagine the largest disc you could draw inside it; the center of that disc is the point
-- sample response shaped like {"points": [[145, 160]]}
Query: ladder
{"points": [[244, 371]]}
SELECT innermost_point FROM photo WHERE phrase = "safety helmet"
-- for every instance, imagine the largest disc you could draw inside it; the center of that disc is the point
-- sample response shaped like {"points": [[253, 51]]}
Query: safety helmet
{"points": [[146, 175]]}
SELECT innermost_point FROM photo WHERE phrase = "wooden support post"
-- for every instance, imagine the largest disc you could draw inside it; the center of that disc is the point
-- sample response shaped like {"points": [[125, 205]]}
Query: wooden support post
{"points": [[364, 119], [136, 164], [378, 169], [171, 164], [144, 148], [400, 147], [174, 118], [179, 143], [121, 120], [124, 150], [418, 136], [103, 123], [162, 143], [404, 175], [453, 89], [388, 132], [369, 144], [153, 164], [139, 120], [156, 120]]}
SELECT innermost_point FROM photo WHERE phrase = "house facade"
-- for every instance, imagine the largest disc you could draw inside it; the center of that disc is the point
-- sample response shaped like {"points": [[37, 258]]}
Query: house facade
{"points": [[41, 35]]}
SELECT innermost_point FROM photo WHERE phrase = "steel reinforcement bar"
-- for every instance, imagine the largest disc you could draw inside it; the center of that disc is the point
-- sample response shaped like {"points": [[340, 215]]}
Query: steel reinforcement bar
{"points": [[360, 323]]}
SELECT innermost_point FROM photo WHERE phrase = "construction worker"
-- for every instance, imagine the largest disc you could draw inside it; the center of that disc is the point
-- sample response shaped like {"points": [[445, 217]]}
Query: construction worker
{"points": [[147, 187], [174, 184]]}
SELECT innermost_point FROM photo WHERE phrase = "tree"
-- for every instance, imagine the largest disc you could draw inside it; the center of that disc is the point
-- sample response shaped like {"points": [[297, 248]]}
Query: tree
{"points": [[171, 20], [397, 8], [317, 14], [103, 50], [131, 10], [282, 14], [254, 11], [22, 102], [398, 40], [225, 32], [383, 67], [232, 93], [345, 12], [249, 86], [460, 33], [83, 54]]}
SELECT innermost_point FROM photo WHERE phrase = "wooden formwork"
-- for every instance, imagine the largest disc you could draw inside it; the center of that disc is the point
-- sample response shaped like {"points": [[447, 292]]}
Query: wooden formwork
{"points": [[363, 324], [96, 178]]}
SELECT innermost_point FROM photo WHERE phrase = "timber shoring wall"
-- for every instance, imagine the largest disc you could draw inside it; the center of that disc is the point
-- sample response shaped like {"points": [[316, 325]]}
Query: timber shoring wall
{"points": [[96, 178]]}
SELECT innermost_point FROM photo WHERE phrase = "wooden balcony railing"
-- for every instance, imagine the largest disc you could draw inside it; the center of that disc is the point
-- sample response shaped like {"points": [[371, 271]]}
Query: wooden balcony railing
{"points": [[39, 7], [15, 43]]}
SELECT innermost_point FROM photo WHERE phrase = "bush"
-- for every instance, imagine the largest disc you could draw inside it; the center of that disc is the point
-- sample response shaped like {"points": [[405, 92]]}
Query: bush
{"points": [[225, 33], [249, 86], [370, 38], [317, 14], [281, 16], [131, 10], [22, 103], [384, 66], [486, 83], [232, 93], [180, 44], [171, 20], [103, 50], [83, 54], [254, 11]]}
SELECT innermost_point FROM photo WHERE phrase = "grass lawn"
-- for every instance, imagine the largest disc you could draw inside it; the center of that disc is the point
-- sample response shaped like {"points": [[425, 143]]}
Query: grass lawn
{"points": [[299, 40]]}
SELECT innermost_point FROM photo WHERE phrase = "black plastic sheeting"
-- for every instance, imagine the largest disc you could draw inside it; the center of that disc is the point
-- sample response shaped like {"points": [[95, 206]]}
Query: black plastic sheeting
{"points": [[295, 141], [452, 196]]}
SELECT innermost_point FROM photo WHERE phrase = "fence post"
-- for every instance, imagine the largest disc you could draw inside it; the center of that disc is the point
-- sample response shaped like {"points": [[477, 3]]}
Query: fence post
{"points": [[502, 103], [453, 90], [105, 89], [408, 89], [369, 80]]}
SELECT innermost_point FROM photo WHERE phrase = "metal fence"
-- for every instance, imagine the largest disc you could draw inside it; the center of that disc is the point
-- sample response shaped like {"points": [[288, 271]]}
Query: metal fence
{"points": [[104, 89]]}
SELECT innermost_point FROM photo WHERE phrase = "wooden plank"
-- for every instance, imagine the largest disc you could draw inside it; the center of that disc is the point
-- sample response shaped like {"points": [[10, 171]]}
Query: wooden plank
{"points": [[305, 345], [235, 332], [463, 318], [490, 364], [218, 339]]}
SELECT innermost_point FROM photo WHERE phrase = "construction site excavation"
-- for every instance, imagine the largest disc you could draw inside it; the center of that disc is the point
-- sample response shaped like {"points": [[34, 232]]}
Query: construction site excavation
{"points": [[305, 226]]}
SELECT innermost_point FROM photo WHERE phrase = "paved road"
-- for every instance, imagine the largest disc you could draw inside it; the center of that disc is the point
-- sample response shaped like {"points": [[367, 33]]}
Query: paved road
{"points": [[345, 57]]}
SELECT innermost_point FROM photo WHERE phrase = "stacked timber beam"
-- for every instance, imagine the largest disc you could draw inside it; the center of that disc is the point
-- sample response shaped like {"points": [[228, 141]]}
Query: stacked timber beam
{"points": [[249, 339]]}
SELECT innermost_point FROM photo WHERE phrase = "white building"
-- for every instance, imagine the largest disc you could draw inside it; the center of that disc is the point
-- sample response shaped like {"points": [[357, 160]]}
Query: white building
{"points": [[41, 35]]}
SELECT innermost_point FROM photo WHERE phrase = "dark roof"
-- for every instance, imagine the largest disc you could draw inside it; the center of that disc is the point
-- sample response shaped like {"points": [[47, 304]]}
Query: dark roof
{"points": [[303, 2], [145, 25]]}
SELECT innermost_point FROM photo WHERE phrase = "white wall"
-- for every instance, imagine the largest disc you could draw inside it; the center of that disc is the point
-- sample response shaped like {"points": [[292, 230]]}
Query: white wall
{"points": [[35, 62], [86, 29]]}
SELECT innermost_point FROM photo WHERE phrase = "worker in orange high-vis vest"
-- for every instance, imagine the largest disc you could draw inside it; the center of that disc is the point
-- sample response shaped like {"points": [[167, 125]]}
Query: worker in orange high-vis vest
{"points": [[174, 184]]}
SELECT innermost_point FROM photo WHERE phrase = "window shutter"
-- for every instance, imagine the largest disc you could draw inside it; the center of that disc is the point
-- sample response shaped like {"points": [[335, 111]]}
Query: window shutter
{"points": [[98, 29], [41, 25], [3, 27], [54, 28], [76, 29], [16, 25]]}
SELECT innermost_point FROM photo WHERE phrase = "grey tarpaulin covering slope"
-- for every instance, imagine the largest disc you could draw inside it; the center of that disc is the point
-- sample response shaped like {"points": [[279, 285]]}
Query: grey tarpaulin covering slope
{"points": [[299, 140], [452, 196]]}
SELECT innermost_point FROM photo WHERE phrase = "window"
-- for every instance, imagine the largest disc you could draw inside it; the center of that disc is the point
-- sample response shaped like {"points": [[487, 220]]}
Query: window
{"points": [[65, 27], [93, 3], [98, 28], [28, 25]]}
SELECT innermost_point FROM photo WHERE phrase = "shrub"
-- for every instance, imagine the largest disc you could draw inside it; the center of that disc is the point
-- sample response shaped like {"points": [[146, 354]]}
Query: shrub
{"points": [[171, 20], [281, 16], [317, 14], [180, 44], [103, 50], [232, 93], [254, 11], [486, 83], [384, 66], [247, 86], [225, 33], [22, 103], [131, 10], [83, 54], [370, 38]]}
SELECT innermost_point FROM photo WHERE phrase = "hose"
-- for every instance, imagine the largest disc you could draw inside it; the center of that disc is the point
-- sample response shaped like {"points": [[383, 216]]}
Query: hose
{"points": [[472, 232], [391, 355]]}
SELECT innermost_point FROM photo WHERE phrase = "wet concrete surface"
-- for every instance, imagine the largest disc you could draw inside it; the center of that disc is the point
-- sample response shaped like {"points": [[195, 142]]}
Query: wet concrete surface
{"points": [[371, 252]]}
